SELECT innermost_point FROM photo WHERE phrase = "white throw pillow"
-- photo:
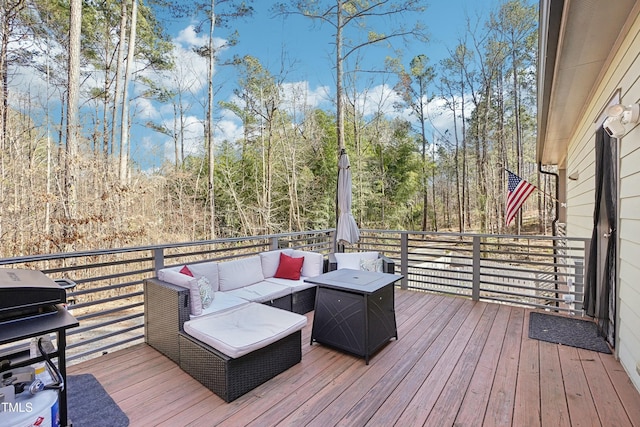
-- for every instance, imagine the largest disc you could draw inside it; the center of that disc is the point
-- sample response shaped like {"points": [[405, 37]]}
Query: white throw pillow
{"points": [[200, 290], [313, 263], [206, 292], [270, 261], [371, 264], [240, 273], [352, 259]]}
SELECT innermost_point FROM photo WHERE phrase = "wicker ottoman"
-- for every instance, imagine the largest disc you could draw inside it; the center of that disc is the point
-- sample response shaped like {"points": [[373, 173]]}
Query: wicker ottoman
{"points": [[235, 351]]}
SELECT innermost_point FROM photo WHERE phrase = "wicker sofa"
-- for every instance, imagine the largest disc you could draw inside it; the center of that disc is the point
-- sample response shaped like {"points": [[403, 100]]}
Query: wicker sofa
{"points": [[248, 286]]}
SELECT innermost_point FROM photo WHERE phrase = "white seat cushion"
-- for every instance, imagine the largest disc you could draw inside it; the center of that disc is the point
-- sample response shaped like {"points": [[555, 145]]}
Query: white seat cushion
{"points": [[295, 285], [261, 292], [241, 330], [352, 259], [222, 301]]}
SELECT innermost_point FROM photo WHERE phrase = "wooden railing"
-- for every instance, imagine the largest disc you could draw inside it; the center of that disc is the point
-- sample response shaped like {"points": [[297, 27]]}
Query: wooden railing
{"points": [[108, 300]]}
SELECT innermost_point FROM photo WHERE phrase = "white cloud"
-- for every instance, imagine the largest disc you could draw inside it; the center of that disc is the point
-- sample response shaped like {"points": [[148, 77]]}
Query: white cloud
{"points": [[230, 130], [189, 38], [299, 96], [379, 99], [145, 109]]}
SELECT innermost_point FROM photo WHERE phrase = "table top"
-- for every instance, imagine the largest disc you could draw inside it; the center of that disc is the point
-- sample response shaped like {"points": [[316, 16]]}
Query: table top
{"points": [[366, 282]]}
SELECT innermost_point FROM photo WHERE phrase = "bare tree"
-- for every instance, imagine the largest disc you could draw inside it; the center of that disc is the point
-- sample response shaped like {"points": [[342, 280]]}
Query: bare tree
{"points": [[412, 88], [124, 127], [73, 125], [343, 14]]}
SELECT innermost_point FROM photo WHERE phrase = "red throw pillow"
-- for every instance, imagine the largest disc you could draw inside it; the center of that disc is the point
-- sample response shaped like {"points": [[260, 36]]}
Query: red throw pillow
{"points": [[289, 267], [185, 270]]}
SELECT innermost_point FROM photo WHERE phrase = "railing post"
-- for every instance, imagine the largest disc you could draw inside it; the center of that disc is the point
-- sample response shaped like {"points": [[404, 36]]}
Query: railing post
{"points": [[475, 290], [404, 260], [274, 244], [158, 259]]}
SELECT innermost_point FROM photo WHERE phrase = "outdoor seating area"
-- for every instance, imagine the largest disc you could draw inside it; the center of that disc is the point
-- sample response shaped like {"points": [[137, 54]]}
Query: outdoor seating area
{"points": [[457, 361], [232, 325]]}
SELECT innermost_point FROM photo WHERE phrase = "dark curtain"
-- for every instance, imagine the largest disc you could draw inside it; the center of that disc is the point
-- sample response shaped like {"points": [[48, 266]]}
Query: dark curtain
{"points": [[599, 298]]}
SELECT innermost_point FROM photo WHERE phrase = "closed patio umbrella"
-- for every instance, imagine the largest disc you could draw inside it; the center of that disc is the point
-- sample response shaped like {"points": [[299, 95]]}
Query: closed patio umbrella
{"points": [[347, 229]]}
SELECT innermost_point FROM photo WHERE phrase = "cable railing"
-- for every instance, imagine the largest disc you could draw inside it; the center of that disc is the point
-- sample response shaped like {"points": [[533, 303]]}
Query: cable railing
{"points": [[108, 299]]}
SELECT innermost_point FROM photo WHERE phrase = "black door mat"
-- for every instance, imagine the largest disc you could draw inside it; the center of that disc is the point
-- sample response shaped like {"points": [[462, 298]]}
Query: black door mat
{"points": [[567, 331]]}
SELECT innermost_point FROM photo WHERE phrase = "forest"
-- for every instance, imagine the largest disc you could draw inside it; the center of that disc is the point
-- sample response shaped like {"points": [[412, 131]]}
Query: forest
{"points": [[69, 180]]}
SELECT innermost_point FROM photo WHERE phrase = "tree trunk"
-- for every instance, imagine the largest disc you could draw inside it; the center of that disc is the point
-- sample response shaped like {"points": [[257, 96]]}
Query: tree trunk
{"points": [[209, 125], [339, 72], [118, 80], [124, 130], [73, 89]]}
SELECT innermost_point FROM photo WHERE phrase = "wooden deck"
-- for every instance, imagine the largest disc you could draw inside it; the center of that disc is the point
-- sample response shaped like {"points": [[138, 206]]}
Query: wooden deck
{"points": [[457, 362]]}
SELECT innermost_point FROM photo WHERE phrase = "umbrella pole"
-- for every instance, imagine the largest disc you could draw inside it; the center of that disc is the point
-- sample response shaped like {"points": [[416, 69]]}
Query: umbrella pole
{"points": [[336, 246]]}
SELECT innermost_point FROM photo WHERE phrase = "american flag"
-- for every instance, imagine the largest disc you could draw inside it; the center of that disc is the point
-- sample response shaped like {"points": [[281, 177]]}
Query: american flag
{"points": [[517, 193]]}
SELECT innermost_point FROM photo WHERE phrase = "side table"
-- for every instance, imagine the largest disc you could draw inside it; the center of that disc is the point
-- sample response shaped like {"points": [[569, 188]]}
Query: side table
{"points": [[354, 311]]}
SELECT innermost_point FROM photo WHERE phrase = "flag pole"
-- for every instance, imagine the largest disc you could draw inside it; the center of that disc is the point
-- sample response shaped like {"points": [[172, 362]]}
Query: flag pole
{"points": [[562, 204]]}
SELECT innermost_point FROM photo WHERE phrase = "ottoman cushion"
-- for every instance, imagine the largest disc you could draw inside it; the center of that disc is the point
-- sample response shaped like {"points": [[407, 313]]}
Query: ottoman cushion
{"points": [[243, 329]]}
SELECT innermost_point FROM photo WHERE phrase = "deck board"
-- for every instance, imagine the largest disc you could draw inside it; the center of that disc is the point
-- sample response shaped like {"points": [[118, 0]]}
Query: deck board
{"points": [[456, 362]]}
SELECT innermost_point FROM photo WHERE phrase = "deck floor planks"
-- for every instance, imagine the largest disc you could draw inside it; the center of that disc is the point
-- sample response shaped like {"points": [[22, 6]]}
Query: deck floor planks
{"points": [[502, 396], [410, 331], [395, 403], [629, 396], [330, 387], [553, 404], [453, 393], [526, 411], [313, 378], [605, 398], [576, 389], [474, 404], [413, 315], [438, 360], [387, 374]]}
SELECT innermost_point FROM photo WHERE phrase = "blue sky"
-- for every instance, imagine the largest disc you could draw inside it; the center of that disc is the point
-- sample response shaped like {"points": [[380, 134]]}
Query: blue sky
{"points": [[307, 68], [307, 49]]}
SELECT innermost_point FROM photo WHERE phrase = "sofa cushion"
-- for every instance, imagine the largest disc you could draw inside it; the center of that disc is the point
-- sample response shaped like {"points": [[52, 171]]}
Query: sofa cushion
{"points": [[241, 330], [222, 301], [313, 263], [295, 285], [352, 259], [289, 267], [239, 273], [261, 292], [270, 261], [207, 269]]}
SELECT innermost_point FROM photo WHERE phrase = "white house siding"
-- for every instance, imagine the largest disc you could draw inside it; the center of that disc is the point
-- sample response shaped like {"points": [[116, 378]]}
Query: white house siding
{"points": [[623, 73]]}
